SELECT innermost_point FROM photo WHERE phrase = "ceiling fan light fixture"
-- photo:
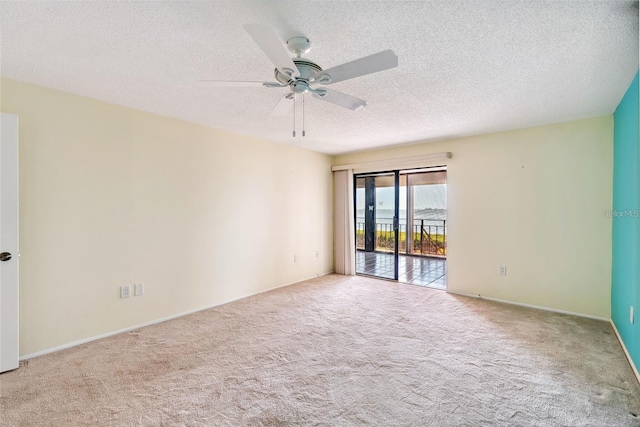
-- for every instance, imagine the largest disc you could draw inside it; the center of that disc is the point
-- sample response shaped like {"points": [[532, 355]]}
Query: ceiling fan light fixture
{"points": [[300, 87]]}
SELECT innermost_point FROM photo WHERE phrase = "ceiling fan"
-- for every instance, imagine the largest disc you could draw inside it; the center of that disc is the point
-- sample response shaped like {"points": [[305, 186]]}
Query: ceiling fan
{"points": [[303, 76]]}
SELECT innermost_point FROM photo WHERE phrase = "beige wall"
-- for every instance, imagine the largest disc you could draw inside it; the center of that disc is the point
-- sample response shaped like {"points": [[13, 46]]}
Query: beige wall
{"points": [[532, 200], [112, 196]]}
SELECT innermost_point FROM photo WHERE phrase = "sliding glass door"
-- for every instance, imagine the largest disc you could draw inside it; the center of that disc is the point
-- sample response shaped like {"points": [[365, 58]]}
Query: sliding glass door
{"points": [[401, 225], [423, 219], [377, 215]]}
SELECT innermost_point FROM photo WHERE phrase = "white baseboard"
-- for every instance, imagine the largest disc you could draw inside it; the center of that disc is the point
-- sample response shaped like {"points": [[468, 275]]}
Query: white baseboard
{"points": [[624, 348], [537, 307], [153, 322], [626, 353]]}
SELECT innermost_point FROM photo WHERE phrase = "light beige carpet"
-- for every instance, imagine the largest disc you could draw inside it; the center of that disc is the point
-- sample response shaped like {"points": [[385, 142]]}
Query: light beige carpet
{"points": [[337, 351]]}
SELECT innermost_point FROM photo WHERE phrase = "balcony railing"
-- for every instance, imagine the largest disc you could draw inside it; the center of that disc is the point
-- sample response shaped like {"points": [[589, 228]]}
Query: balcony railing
{"points": [[429, 237]]}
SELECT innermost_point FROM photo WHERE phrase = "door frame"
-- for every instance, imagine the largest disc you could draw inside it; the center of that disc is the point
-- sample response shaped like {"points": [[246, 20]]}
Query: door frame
{"points": [[9, 270]]}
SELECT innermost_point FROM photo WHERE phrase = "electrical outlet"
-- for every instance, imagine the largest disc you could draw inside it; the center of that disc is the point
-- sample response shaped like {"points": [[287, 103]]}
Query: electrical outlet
{"points": [[631, 319], [125, 291], [502, 270], [317, 254], [295, 258], [138, 289]]}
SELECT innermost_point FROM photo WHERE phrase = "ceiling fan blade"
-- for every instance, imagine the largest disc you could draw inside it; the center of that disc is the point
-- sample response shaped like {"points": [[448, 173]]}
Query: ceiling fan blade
{"points": [[224, 83], [341, 99], [369, 64], [273, 47], [284, 106]]}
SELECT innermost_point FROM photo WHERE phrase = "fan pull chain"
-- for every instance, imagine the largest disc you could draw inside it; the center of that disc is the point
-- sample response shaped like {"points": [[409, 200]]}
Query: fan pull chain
{"points": [[303, 133], [294, 116]]}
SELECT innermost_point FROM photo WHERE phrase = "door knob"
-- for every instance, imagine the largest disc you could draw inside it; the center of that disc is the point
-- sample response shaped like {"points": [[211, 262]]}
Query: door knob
{"points": [[5, 256]]}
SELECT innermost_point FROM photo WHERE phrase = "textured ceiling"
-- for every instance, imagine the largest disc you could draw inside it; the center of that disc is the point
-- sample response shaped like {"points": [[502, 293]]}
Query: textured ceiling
{"points": [[465, 68]]}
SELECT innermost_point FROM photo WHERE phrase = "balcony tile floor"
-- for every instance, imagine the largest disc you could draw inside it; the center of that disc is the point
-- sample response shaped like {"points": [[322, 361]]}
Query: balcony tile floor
{"points": [[414, 270]]}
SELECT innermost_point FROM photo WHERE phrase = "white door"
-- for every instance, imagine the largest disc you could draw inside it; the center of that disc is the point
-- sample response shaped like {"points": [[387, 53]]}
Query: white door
{"points": [[8, 242]]}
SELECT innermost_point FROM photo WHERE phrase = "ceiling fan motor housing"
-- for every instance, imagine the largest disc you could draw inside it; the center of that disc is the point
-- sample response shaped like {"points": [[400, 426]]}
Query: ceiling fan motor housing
{"points": [[306, 68]]}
